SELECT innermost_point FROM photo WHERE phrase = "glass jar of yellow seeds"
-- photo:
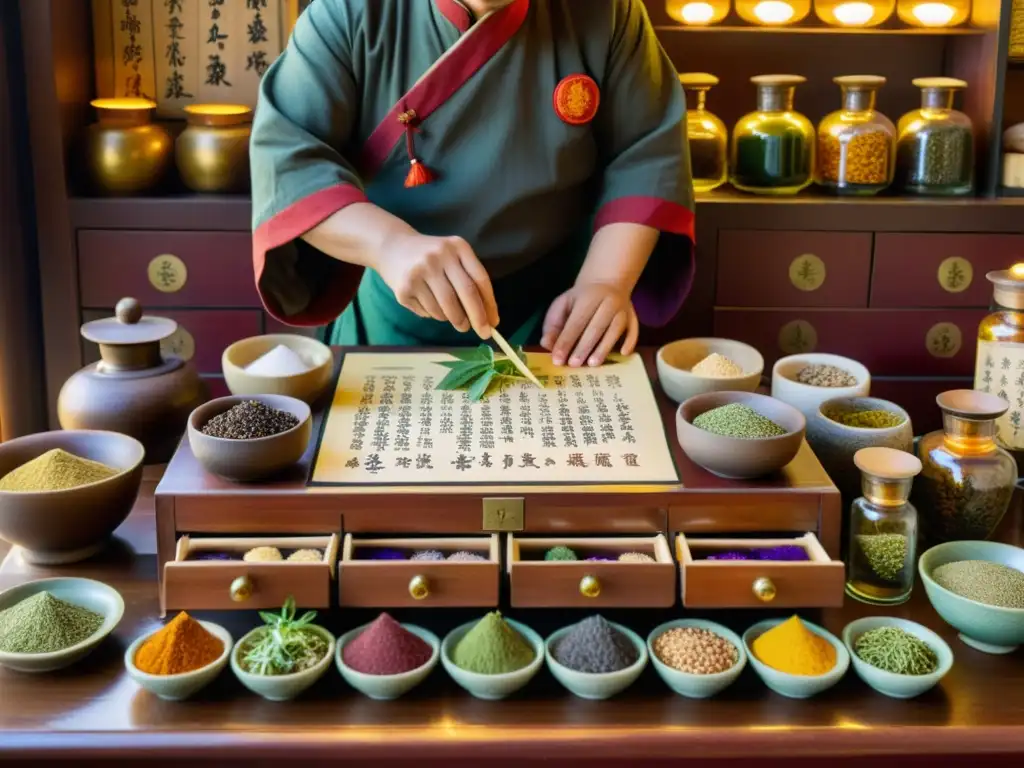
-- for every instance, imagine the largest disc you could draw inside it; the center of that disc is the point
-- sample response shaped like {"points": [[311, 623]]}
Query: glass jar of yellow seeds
{"points": [[856, 144]]}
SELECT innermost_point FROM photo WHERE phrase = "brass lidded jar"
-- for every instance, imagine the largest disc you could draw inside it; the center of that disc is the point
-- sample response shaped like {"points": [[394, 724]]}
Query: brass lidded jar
{"points": [[706, 135], [212, 152], [856, 144], [881, 559], [125, 152], [935, 144], [134, 389]]}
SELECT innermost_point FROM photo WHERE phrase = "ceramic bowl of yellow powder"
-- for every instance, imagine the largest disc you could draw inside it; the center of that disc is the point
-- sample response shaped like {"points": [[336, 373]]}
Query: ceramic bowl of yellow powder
{"points": [[494, 657], [63, 493], [796, 658], [695, 366]]}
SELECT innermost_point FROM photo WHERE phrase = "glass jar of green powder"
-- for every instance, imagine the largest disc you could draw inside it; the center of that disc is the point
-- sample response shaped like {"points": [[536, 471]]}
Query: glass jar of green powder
{"points": [[772, 150], [935, 144], [883, 528]]}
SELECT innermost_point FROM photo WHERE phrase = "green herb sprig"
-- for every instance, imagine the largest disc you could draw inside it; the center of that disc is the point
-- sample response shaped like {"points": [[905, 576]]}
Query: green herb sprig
{"points": [[286, 645], [480, 372]]}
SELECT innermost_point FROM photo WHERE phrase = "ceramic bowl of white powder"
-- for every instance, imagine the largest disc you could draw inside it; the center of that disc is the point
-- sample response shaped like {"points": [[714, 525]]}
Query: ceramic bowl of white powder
{"points": [[278, 364]]}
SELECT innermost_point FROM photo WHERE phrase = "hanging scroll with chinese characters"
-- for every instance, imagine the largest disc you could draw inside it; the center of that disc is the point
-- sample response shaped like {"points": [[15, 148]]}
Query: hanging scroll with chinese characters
{"points": [[181, 52], [389, 425]]}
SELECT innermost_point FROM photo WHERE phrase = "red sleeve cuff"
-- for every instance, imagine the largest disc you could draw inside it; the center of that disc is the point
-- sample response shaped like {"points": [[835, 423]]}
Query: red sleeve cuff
{"points": [[649, 211]]}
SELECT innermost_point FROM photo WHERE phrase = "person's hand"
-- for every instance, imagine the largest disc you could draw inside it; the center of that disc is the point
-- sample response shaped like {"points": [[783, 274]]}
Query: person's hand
{"points": [[439, 278], [585, 322]]}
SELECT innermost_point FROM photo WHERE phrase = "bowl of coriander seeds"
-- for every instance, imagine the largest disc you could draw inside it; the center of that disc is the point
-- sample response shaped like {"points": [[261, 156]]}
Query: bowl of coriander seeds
{"points": [[806, 381]]}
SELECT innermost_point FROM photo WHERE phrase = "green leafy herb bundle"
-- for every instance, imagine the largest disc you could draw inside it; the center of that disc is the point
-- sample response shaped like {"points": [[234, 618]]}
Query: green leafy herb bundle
{"points": [[285, 646], [480, 372]]}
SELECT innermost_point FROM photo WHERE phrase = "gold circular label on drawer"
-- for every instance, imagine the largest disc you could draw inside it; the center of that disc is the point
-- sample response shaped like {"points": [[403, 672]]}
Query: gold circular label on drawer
{"points": [[167, 273], [807, 272], [797, 336], [179, 344], [955, 274], [944, 340]]}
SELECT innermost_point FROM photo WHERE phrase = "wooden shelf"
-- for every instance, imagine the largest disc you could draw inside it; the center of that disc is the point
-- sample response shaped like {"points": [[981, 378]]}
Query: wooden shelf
{"points": [[812, 197], [823, 30]]}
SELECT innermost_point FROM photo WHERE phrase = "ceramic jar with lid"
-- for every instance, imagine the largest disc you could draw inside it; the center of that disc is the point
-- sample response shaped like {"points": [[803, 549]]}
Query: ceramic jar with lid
{"points": [[134, 389]]}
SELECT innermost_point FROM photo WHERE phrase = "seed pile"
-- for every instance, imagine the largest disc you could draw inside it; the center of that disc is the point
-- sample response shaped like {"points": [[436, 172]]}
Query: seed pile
{"points": [[560, 553], [595, 647], [466, 557], [385, 647], [306, 556], [876, 419], [896, 650], [959, 510], [717, 366], [736, 420], [636, 557], [44, 624], [862, 159], [937, 158], [492, 647], [55, 470], [249, 420], [696, 651], [428, 554], [818, 375], [184, 645], [263, 555], [990, 583], [886, 553]]}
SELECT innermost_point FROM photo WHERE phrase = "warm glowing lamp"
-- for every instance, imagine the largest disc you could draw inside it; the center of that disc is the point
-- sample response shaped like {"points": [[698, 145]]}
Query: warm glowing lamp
{"points": [[933, 13], [697, 13], [773, 13], [1017, 271], [854, 13]]}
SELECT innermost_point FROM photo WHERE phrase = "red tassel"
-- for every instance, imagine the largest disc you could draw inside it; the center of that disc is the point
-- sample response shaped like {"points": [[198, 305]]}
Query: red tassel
{"points": [[419, 175]]}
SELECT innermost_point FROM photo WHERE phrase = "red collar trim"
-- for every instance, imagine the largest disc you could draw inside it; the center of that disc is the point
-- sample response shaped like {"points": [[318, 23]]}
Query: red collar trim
{"points": [[456, 13]]}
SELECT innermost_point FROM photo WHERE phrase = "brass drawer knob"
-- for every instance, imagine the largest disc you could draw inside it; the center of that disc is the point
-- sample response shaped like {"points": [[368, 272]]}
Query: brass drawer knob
{"points": [[590, 586], [241, 589], [764, 589], [419, 587]]}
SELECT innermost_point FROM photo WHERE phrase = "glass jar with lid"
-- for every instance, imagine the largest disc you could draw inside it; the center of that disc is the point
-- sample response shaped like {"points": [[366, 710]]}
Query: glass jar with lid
{"points": [[999, 364], [883, 528], [935, 144], [706, 134], [772, 149], [967, 480], [856, 144]]}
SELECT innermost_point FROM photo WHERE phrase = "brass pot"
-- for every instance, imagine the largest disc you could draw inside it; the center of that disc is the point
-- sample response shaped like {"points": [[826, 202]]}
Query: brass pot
{"points": [[212, 153], [125, 152]]}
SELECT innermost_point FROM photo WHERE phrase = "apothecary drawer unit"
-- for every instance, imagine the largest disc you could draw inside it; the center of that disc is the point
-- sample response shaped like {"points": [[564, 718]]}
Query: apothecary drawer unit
{"points": [[191, 583], [538, 583], [814, 583], [372, 583]]}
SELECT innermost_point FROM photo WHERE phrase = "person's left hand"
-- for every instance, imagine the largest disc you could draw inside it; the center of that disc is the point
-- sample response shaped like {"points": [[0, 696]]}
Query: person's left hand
{"points": [[585, 322]]}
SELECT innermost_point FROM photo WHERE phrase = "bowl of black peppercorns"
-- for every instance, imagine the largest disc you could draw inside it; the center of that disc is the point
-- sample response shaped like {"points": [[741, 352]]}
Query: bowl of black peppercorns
{"points": [[249, 438]]}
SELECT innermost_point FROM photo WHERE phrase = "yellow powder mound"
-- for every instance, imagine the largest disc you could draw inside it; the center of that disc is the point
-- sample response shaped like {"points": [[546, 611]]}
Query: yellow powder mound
{"points": [[792, 648], [55, 470]]}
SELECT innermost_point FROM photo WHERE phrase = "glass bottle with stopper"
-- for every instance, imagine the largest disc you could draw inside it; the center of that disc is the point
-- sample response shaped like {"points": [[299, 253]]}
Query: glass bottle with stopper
{"points": [[883, 528], [706, 134], [856, 144], [935, 144], [134, 388], [999, 364]]}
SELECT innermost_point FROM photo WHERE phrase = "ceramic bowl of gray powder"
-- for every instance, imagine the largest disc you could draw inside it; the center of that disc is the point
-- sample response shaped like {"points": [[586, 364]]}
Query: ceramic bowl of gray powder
{"points": [[596, 659]]}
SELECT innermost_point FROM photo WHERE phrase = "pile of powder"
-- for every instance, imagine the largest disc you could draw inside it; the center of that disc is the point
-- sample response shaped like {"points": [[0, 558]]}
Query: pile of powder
{"points": [[595, 647], [55, 470], [280, 361], [428, 554], [717, 366], [306, 556], [385, 647], [492, 647], [987, 582], [793, 648], [44, 624], [383, 553], [466, 557], [783, 552], [737, 420], [636, 557], [263, 555], [184, 645]]}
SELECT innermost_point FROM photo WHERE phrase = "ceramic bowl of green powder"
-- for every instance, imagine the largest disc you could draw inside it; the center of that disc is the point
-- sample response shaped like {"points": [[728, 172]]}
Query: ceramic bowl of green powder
{"points": [[50, 624], [595, 658], [896, 657], [978, 588], [494, 657], [739, 435]]}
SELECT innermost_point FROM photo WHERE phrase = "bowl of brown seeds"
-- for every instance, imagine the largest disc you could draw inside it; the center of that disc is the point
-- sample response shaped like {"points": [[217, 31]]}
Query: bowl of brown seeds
{"points": [[247, 438], [696, 658], [806, 381]]}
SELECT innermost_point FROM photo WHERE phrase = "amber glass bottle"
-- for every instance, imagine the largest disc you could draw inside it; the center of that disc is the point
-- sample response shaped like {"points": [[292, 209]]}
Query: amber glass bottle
{"points": [[705, 133]]}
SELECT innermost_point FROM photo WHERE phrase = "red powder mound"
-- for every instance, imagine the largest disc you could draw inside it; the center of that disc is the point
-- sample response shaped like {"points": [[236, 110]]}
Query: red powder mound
{"points": [[386, 648]]}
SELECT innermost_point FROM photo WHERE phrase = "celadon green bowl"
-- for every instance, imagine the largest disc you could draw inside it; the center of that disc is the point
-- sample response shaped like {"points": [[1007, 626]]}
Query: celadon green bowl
{"points": [[889, 683], [282, 687], [686, 683], [180, 687], [387, 687], [596, 685], [492, 687], [796, 686], [986, 628]]}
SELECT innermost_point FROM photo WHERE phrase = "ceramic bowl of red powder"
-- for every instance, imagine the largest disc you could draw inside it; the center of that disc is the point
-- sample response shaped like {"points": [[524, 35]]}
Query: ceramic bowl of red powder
{"points": [[186, 684], [385, 659]]}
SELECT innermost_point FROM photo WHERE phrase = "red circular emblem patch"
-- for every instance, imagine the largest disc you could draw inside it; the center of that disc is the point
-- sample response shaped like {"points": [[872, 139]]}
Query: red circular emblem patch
{"points": [[576, 99]]}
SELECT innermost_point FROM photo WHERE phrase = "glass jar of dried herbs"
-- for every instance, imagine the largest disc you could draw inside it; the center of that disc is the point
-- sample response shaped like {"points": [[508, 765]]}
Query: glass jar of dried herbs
{"points": [[935, 148]]}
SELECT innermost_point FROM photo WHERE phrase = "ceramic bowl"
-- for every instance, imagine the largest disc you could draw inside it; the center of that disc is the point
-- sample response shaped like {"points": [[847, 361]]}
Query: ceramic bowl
{"points": [[691, 685], [986, 628], [306, 386], [492, 687], [796, 686], [889, 683], [736, 457], [675, 360], [249, 460], [596, 686], [60, 527], [179, 687], [806, 398], [835, 444], [94, 595], [387, 687], [282, 687]]}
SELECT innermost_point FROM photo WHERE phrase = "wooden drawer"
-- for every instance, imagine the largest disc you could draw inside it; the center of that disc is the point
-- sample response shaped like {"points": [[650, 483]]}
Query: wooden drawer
{"points": [[922, 270], [166, 269], [537, 583], [232, 584], [202, 334], [817, 583], [419, 583], [917, 397], [793, 269], [918, 342]]}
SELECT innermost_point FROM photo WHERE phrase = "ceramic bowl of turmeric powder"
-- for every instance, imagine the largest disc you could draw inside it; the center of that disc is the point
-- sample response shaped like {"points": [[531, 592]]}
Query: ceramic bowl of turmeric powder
{"points": [[180, 659], [796, 658]]}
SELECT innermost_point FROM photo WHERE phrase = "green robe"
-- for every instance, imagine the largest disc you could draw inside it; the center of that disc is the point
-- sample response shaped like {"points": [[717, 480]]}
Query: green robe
{"points": [[524, 179]]}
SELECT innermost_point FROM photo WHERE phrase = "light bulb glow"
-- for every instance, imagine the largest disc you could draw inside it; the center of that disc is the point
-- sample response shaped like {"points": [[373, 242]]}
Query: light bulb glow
{"points": [[1017, 271], [773, 11], [934, 14], [854, 14], [697, 13]]}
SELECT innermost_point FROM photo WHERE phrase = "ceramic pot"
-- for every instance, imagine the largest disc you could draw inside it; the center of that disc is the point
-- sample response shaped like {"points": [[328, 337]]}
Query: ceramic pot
{"points": [[125, 152], [212, 153]]}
